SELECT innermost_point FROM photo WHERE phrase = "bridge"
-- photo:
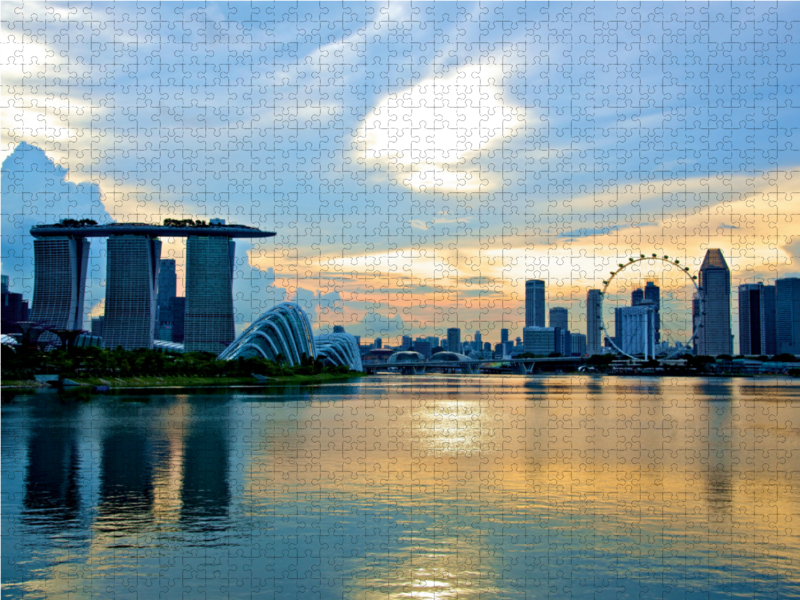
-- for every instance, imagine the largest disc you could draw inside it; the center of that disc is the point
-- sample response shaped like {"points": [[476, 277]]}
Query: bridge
{"points": [[519, 366]]}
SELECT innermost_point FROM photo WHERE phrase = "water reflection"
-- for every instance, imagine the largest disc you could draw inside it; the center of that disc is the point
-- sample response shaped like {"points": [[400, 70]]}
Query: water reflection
{"points": [[126, 479], [52, 496], [205, 493], [414, 487]]}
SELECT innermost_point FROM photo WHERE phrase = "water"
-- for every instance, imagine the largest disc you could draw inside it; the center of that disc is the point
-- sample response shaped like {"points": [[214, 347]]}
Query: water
{"points": [[408, 487]]}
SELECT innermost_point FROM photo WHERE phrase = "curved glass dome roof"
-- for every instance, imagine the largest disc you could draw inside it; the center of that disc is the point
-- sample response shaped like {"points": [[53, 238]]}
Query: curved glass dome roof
{"points": [[405, 356], [446, 356], [282, 330], [339, 349]]}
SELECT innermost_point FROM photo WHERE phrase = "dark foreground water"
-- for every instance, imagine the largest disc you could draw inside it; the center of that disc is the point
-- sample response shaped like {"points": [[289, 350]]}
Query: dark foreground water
{"points": [[408, 487]]}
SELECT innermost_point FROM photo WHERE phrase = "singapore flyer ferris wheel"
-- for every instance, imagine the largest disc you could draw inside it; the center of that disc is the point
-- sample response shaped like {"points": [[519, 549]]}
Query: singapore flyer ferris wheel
{"points": [[638, 328]]}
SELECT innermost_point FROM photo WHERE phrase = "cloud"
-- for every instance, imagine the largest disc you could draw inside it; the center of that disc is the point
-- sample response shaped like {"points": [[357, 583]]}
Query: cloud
{"points": [[434, 134], [35, 190]]}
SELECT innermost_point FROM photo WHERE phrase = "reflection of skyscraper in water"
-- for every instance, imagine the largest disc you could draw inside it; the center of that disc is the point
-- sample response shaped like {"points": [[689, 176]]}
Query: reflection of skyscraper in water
{"points": [[126, 478], [719, 449], [52, 494], [205, 490]]}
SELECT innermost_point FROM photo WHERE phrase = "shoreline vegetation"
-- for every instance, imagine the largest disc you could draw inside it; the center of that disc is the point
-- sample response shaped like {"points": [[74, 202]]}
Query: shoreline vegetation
{"points": [[150, 369]]}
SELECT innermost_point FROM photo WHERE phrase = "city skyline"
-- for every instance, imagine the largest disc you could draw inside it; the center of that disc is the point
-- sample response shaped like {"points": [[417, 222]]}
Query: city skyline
{"points": [[394, 213], [137, 279]]}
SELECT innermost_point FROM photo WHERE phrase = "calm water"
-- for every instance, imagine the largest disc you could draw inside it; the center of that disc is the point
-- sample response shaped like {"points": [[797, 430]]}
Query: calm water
{"points": [[408, 487]]}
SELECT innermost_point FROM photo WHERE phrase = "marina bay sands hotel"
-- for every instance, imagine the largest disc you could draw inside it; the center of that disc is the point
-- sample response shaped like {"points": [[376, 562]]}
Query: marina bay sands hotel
{"points": [[61, 253]]}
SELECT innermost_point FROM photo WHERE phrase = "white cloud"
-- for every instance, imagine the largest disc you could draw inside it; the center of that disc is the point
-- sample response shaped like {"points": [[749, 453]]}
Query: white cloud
{"points": [[435, 134]]}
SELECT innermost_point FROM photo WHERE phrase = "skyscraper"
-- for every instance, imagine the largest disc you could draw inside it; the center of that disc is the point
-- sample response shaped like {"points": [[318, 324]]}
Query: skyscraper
{"points": [[653, 293], [454, 339], [503, 336], [14, 309], [59, 282], [131, 288], [534, 303], [593, 319], [209, 293], [578, 344], [637, 296], [177, 308], [787, 308], [714, 337], [477, 345], [757, 319], [559, 317], [167, 287], [636, 326]]}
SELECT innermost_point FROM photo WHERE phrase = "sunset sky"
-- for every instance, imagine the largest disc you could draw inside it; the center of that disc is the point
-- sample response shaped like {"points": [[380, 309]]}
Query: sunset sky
{"points": [[417, 161]]}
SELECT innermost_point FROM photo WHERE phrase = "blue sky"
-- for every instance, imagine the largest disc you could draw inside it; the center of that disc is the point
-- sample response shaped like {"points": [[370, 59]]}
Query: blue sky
{"points": [[418, 163]]}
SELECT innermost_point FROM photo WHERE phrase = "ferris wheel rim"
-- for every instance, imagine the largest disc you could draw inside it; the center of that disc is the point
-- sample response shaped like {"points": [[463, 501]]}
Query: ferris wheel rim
{"points": [[642, 258]]}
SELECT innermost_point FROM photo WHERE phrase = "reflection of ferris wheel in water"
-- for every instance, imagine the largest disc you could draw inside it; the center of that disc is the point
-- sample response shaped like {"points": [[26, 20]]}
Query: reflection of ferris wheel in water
{"points": [[681, 347]]}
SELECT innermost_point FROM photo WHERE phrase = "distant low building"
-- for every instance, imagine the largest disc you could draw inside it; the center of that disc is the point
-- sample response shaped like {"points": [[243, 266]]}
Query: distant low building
{"points": [[541, 341]]}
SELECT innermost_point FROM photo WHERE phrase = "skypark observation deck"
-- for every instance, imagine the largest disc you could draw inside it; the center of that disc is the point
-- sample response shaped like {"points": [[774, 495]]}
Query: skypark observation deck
{"points": [[146, 229], [133, 259]]}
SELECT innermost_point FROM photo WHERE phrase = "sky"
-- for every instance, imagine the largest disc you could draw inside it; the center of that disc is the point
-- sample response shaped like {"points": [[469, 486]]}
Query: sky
{"points": [[418, 162]]}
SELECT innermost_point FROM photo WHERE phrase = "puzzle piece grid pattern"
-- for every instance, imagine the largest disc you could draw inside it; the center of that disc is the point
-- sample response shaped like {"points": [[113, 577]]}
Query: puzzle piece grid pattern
{"points": [[617, 129]]}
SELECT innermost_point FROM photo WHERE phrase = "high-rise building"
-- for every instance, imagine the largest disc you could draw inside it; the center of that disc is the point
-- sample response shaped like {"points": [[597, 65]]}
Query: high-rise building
{"points": [[578, 344], [454, 339], [478, 343], [594, 310], [59, 282], [503, 336], [97, 326], [167, 287], [423, 347], [559, 317], [541, 341], [14, 309], [714, 337], [637, 296], [131, 291], [405, 342], [338, 329], [757, 319], [653, 293], [209, 293], [695, 323], [563, 341], [637, 329], [433, 341], [177, 307], [378, 343], [534, 303], [787, 308], [3, 284]]}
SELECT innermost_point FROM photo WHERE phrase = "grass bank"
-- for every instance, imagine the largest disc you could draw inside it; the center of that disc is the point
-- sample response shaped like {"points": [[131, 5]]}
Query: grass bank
{"points": [[189, 382]]}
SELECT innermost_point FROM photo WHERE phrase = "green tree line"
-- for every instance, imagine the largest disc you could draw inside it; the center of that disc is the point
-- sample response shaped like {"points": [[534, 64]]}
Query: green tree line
{"points": [[23, 364]]}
